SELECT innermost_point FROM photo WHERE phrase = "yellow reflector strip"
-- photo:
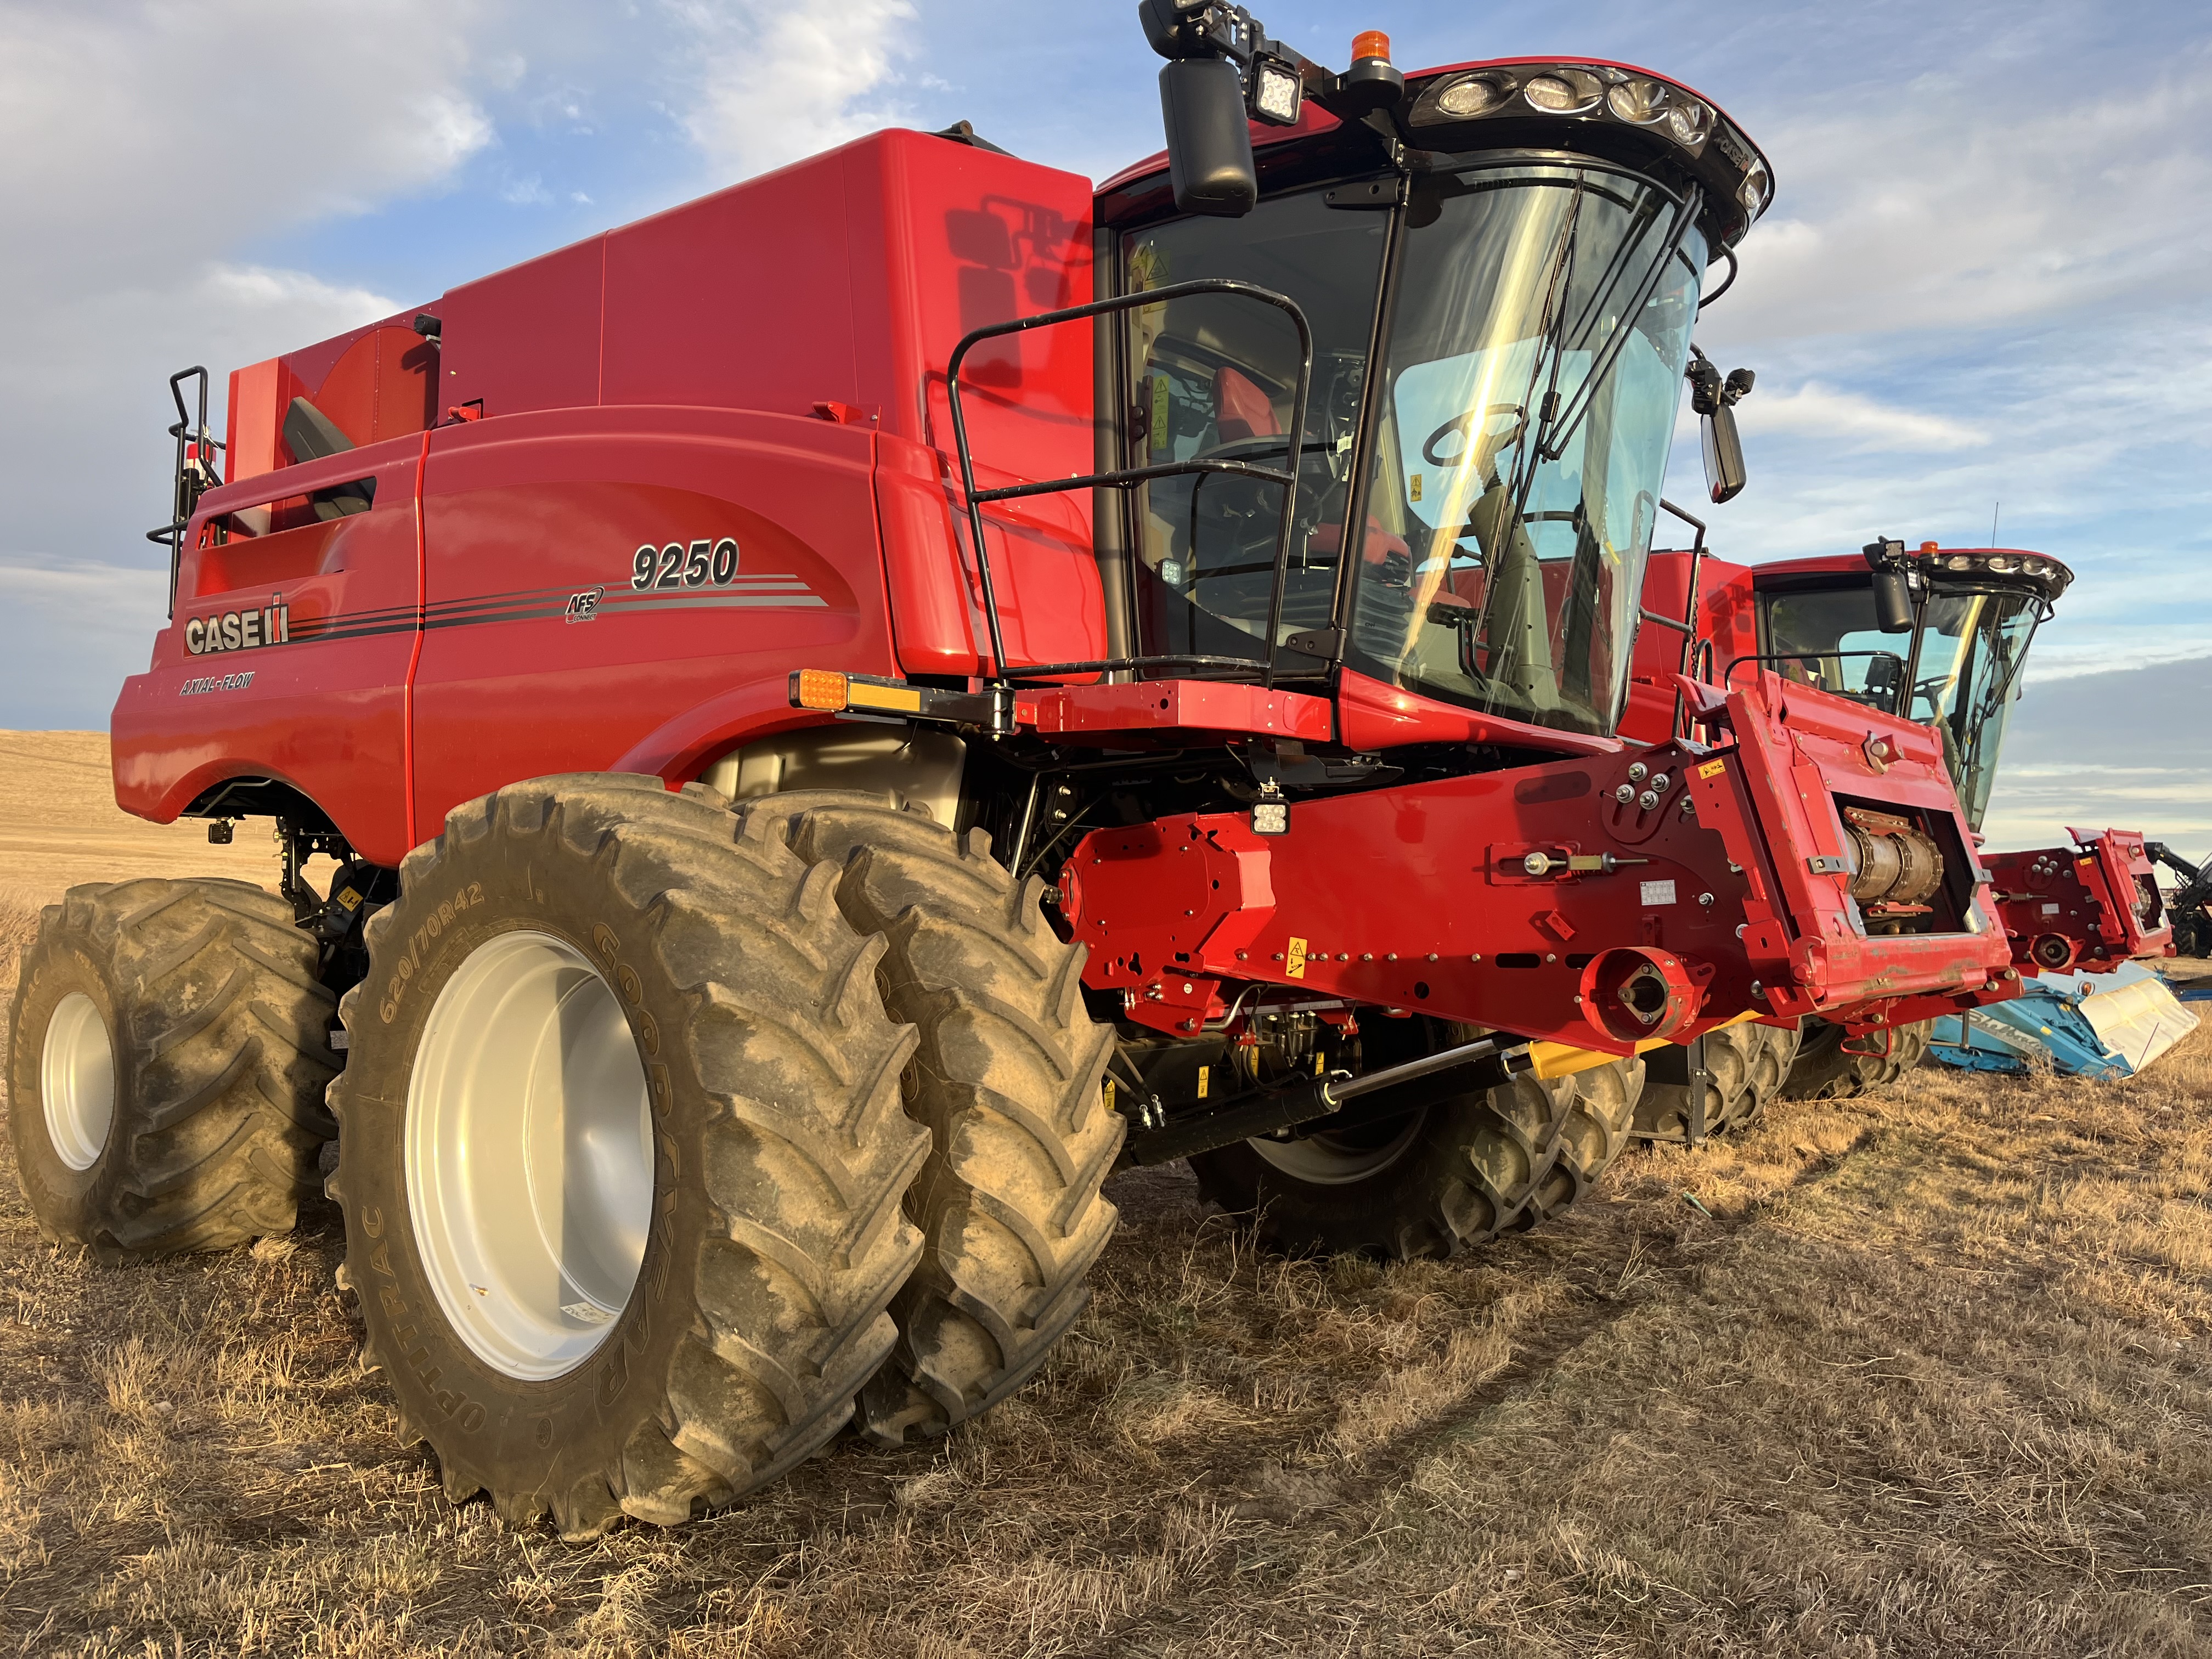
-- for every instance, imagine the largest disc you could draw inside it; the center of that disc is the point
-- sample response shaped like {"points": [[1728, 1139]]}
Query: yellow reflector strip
{"points": [[824, 689], [905, 698], [1561, 1059]]}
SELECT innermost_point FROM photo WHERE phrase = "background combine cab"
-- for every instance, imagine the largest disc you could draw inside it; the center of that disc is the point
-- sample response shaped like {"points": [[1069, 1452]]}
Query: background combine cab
{"points": [[1939, 636]]}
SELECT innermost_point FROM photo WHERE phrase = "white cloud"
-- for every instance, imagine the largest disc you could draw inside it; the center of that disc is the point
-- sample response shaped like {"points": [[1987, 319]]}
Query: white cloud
{"points": [[1990, 195], [1856, 422], [144, 132], [770, 82]]}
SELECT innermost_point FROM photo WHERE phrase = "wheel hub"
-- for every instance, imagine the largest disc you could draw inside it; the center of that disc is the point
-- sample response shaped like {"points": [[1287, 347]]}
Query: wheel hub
{"points": [[76, 1076], [529, 1155]]}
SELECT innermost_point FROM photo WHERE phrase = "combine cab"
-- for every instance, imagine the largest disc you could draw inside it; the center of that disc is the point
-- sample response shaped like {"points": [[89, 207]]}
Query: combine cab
{"points": [[829, 754]]}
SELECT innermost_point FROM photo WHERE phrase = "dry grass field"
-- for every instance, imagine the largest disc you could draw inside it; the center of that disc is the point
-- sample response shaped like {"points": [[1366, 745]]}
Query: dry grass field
{"points": [[1926, 1374]]}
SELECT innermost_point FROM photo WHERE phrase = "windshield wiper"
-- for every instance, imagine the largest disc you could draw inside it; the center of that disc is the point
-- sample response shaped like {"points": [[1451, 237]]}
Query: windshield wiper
{"points": [[1602, 361]]}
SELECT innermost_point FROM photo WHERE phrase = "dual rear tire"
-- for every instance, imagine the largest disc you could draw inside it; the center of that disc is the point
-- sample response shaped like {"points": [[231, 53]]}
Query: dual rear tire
{"points": [[169, 1050], [806, 1111]]}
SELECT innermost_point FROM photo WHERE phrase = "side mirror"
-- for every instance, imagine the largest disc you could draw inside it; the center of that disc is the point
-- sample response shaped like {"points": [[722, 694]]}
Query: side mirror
{"points": [[1892, 586], [1893, 602], [1209, 140], [1724, 473], [1715, 399]]}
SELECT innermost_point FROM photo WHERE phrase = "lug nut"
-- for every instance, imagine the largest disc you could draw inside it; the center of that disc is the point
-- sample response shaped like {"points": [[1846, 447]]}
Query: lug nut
{"points": [[1647, 801], [1638, 772], [1625, 793], [1705, 901], [1659, 783]]}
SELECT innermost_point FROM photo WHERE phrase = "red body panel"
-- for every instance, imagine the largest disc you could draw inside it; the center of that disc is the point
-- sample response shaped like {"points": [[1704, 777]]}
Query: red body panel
{"points": [[1419, 897], [324, 710], [1727, 627], [542, 654], [657, 383]]}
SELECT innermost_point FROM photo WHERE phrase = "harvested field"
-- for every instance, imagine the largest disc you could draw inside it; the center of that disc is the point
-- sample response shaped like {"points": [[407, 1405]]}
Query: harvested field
{"points": [[1926, 1374]]}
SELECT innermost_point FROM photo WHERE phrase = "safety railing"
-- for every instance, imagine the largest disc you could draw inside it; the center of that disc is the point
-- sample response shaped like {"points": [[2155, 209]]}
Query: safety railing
{"points": [[1130, 478]]}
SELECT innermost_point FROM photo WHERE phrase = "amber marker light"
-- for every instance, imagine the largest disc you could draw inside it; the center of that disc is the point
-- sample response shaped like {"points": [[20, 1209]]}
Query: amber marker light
{"points": [[824, 688], [1370, 43]]}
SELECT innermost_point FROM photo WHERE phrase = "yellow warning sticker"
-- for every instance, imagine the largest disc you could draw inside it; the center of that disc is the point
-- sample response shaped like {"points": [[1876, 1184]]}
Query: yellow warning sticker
{"points": [[1318, 1062], [1712, 769], [1109, 1094], [1203, 1074], [1414, 490], [1294, 964]]}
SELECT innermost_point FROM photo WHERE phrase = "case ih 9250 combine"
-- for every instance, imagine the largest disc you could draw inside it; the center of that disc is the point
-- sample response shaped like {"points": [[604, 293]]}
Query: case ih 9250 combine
{"points": [[847, 707], [1939, 636]]}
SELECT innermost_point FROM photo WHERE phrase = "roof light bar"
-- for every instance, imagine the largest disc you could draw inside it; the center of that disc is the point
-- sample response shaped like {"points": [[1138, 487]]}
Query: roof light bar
{"points": [[1995, 561], [1610, 96]]}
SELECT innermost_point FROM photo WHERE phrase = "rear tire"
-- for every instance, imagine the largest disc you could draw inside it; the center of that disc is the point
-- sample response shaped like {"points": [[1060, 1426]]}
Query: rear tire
{"points": [[170, 1051], [1825, 1069], [1428, 1184], [661, 1274], [1747, 1064], [1007, 1080]]}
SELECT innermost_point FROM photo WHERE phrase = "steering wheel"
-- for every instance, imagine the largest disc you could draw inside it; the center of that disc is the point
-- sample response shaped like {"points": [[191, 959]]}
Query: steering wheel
{"points": [[1461, 426]]}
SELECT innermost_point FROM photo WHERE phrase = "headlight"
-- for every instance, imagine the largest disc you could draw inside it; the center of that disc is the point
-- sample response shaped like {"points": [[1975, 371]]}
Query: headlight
{"points": [[1562, 91], [2003, 563], [2033, 568], [1686, 122], [1958, 561], [1638, 99], [1753, 191], [1477, 95]]}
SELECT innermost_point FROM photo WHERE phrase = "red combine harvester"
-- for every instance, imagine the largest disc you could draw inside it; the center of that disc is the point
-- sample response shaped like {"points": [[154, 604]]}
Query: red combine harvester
{"points": [[847, 709], [1938, 635]]}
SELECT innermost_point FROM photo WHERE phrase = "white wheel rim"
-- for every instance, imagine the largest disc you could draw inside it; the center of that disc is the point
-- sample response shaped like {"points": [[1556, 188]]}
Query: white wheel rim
{"points": [[529, 1155], [1331, 1160], [77, 1076]]}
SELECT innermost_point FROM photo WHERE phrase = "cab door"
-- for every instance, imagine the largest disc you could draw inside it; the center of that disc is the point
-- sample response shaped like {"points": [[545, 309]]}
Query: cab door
{"points": [[625, 586]]}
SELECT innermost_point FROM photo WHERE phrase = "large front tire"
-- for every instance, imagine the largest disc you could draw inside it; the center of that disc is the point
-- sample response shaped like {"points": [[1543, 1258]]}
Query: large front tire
{"points": [[1006, 1079], [170, 1051], [622, 1152]]}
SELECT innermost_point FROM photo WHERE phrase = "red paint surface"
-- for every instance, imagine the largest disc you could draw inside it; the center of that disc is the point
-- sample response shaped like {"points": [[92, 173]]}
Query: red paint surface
{"points": [[1418, 897]]}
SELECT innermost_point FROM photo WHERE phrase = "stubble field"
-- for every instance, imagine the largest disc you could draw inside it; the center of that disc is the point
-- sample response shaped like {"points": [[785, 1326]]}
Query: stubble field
{"points": [[1922, 1374]]}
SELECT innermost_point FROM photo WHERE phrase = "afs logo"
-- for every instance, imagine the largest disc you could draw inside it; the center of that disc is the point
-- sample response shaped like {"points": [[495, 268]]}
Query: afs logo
{"points": [[584, 606]]}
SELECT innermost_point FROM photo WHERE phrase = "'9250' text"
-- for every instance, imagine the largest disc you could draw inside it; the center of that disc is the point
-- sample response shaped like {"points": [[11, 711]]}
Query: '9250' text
{"points": [[701, 564]]}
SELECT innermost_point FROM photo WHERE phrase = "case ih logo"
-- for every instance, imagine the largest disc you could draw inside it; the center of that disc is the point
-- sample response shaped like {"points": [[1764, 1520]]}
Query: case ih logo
{"points": [[238, 630]]}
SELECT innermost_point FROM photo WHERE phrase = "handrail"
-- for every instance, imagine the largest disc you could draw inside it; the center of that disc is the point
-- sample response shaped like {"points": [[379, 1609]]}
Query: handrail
{"points": [[1894, 711], [1129, 476], [1689, 622], [193, 472]]}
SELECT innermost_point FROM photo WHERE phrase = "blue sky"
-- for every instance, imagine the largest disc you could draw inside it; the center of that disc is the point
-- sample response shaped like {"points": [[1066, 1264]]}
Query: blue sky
{"points": [[1983, 281]]}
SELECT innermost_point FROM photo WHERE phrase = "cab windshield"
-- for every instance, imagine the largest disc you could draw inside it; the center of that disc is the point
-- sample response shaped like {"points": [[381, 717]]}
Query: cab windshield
{"points": [[1531, 370], [1535, 367], [1962, 664]]}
